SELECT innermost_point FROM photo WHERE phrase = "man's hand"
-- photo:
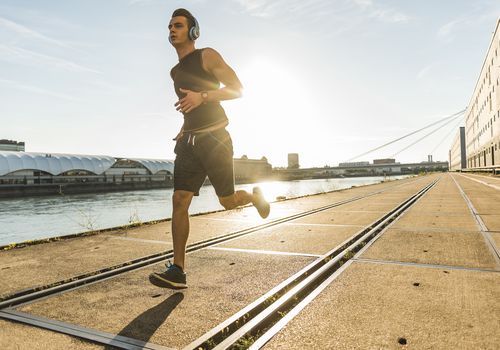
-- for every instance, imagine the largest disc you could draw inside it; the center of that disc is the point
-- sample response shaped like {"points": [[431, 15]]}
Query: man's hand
{"points": [[189, 102]]}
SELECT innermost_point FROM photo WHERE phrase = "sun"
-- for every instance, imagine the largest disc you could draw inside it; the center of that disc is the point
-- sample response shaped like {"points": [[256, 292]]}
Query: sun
{"points": [[276, 105]]}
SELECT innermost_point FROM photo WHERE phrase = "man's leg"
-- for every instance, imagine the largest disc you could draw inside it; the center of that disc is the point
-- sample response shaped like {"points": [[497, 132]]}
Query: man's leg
{"points": [[240, 198], [180, 224], [174, 277]]}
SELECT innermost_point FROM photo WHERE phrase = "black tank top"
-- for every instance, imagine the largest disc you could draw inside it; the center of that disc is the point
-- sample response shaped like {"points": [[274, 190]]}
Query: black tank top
{"points": [[189, 74]]}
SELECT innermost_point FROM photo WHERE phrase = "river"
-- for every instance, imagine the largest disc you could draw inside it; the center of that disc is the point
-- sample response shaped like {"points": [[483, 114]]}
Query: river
{"points": [[32, 218]]}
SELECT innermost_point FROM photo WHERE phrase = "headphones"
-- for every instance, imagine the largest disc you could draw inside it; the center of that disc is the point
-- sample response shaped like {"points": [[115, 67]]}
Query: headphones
{"points": [[194, 31]]}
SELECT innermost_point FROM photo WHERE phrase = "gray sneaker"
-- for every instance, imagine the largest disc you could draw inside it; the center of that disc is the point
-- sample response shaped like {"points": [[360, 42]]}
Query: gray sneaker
{"points": [[173, 277], [260, 203]]}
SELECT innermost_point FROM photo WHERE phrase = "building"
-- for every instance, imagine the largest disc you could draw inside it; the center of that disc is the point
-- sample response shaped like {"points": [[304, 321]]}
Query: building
{"points": [[9, 145], [458, 160], [384, 161], [482, 123], [249, 170], [353, 164], [26, 173], [293, 161]]}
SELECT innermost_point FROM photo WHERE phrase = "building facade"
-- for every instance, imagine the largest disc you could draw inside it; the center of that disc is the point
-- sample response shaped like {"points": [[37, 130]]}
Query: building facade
{"points": [[248, 170], [482, 123]]}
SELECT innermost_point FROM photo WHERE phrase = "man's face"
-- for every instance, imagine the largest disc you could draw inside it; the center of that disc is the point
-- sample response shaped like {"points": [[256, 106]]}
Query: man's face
{"points": [[178, 30]]}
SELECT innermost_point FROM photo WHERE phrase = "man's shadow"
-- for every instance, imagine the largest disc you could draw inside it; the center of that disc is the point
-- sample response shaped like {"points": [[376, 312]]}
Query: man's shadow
{"points": [[143, 326]]}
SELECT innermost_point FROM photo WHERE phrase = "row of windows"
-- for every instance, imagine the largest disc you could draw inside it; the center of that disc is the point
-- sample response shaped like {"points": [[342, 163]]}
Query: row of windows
{"points": [[485, 128]]}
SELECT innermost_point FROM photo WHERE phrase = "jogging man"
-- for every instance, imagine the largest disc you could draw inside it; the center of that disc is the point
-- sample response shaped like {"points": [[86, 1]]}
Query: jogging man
{"points": [[203, 146]]}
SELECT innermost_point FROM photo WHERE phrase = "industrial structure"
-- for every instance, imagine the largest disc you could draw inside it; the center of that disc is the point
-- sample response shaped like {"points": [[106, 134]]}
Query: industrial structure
{"points": [[482, 118], [458, 159], [10, 145], [293, 161], [360, 169]]}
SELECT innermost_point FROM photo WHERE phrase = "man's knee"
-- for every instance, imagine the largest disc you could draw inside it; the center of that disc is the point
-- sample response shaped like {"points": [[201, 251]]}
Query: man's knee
{"points": [[227, 202], [181, 200]]}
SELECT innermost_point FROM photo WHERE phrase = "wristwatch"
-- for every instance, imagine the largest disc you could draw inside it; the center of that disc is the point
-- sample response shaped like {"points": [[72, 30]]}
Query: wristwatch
{"points": [[204, 96]]}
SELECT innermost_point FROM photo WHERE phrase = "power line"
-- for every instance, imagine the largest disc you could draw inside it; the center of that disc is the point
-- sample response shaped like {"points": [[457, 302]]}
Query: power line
{"points": [[447, 135], [425, 136], [407, 135]]}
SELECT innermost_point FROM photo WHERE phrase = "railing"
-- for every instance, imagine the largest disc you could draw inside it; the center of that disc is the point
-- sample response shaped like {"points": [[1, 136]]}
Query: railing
{"points": [[87, 179]]}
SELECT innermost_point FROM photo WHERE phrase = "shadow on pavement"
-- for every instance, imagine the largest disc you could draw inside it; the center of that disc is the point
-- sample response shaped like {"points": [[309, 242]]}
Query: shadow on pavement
{"points": [[143, 326]]}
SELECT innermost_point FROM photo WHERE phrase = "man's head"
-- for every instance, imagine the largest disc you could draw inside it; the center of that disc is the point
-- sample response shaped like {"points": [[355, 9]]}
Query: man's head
{"points": [[183, 26]]}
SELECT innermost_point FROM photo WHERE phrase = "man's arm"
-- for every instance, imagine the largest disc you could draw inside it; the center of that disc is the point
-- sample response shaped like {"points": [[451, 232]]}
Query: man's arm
{"points": [[215, 64]]}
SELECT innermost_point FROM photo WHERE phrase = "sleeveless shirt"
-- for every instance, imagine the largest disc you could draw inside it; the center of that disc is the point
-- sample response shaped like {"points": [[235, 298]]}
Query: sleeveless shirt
{"points": [[189, 74]]}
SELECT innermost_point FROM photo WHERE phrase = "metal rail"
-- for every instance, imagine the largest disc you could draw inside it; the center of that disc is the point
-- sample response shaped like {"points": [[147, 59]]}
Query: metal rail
{"points": [[259, 317]]}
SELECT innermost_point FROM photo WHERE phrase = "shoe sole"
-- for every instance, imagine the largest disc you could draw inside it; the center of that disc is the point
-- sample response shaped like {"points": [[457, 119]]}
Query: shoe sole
{"points": [[163, 283], [262, 206], [263, 211]]}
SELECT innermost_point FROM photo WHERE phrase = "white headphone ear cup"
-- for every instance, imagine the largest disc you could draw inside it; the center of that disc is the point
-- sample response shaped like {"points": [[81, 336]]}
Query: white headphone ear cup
{"points": [[194, 32]]}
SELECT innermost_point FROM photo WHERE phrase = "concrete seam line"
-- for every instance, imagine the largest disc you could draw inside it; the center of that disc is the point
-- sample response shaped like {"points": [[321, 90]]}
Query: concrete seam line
{"points": [[269, 252], [424, 265], [490, 243], [482, 182], [78, 331]]}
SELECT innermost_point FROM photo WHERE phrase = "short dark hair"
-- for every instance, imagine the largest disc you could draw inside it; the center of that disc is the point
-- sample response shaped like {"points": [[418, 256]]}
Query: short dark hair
{"points": [[185, 13]]}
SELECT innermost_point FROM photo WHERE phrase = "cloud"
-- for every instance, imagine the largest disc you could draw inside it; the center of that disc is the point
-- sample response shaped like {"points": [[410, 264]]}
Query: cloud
{"points": [[30, 33], [390, 16], [425, 72], [18, 55], [446, 31], [37, 90], [344, 11]]}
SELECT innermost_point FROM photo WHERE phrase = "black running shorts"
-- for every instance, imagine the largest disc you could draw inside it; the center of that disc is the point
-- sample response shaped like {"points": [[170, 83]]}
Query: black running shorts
{"points": [[201, 155]]}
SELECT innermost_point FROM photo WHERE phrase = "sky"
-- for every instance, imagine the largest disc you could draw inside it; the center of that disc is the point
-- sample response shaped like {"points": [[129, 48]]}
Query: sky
{"points": [[327, 79]]}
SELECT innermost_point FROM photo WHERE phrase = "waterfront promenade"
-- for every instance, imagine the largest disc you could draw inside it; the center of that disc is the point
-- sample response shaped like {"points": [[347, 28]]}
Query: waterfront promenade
{"points": [[412, 263]]}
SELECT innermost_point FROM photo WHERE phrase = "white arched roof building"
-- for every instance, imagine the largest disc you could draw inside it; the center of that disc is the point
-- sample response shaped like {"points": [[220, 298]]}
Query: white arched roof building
{"points": [[155, 165], [53, 163]]}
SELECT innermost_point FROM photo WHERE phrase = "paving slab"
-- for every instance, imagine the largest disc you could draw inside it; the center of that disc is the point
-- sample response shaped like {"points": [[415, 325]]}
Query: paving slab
{"points": [[496, 238], [419, 220], [340, 218], [221, 283], [491, 221], [309, 239], [34, 265], [484, 198], [372, 306], [18, 336], [467, 249]]}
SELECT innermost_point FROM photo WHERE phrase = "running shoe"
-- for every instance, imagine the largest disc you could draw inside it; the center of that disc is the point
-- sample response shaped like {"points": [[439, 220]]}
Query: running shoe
{"points": [[260, 203], [173, 277]]}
